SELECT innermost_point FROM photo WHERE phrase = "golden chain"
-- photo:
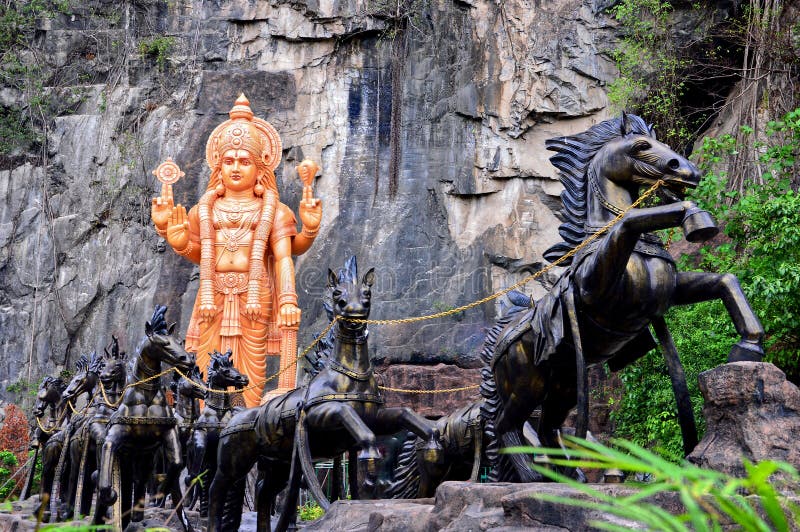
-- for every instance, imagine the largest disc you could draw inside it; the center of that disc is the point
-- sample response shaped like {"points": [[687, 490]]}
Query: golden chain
{"points": [[446, 390], [591, 238]]}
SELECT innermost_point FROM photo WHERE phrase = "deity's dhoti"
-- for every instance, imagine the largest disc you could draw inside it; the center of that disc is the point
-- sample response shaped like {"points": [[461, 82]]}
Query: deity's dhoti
{"points": [[251, 341]]}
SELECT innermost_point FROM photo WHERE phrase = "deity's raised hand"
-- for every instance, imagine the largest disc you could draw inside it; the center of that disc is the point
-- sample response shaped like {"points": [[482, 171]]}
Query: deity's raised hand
{"points": [[162, 206], [310, 207], [178, 228]]}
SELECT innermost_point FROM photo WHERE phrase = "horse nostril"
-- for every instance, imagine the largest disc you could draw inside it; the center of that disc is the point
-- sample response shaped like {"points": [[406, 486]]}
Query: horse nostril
{"points": [[673, 164]]}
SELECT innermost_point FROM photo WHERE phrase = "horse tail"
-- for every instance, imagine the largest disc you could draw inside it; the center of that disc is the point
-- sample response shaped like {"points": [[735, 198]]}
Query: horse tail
{"points": [[492, 405], [405, 484]]}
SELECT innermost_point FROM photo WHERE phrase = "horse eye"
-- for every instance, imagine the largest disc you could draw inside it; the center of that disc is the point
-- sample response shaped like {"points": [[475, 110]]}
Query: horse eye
{"points": [[642, 145], [337, 294]]}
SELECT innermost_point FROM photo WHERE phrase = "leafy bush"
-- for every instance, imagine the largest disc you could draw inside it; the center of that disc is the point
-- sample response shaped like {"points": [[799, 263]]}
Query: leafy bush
{"points": [[310, 511], [8, 464]]}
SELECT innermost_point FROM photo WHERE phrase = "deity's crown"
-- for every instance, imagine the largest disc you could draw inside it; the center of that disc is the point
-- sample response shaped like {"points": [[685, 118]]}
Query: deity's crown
{"points": [[244, 132]]}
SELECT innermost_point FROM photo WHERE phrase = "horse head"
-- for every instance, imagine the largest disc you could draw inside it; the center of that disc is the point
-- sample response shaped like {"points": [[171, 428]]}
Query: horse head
{"points": [[85, 379], [160, 345], [49, 394], [635, 158], [114, 370], [222, 374], [350, 298], [186, 387]]}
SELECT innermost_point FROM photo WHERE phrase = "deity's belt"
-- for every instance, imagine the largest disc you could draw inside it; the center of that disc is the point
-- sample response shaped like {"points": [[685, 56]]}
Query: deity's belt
{"points": [[231, 284]]}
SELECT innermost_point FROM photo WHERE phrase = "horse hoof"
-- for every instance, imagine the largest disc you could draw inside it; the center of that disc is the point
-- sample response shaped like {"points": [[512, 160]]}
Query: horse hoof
{"points": [[433, 452], [744, 351], [107, 496], [369, 458]]}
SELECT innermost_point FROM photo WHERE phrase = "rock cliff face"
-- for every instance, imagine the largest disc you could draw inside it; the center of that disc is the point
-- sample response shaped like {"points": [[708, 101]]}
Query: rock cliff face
{"points": [[428, 119]]}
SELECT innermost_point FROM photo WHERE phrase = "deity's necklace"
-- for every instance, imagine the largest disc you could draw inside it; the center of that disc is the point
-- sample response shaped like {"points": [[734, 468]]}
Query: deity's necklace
{"points": [[243, 215]]}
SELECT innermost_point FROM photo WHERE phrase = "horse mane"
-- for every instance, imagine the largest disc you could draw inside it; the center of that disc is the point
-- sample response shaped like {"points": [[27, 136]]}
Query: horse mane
{"points": [[218, 360], [573, 156], [158, 322], [95, 363], [82, 364], [58, 382], [349, 274]]}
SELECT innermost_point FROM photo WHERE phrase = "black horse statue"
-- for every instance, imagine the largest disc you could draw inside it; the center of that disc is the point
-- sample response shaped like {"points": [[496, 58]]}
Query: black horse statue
{"points": [[188, 391], [616, 285], [339, 409], [202, 451], [142, 423], [48, 399], [112, 377], [77, 436], [414, 476], [54, 470]]}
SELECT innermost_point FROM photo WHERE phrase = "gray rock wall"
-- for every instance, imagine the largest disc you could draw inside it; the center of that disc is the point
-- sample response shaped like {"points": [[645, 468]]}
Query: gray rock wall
{"points": [[429, 130]]}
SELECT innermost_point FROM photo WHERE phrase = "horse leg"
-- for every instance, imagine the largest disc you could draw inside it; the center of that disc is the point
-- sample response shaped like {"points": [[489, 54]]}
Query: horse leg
{"points": [[352, 474], [196, 466], [555, 409], [237, 454], [172, 453], [332, 414], [129, 487], [517, 402], [597, 276], [88, 467], [694, 287], [106, 494], [50, 455], [26, 490]]}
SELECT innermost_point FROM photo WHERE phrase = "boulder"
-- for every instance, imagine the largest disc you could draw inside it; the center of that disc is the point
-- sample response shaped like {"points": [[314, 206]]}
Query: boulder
{"points": [[751, 412]]}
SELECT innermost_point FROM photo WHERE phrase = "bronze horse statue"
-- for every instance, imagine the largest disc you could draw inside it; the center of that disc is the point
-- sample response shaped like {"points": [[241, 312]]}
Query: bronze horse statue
{"points": [[188, 391], [204, 440], [414, 476], [48, 399], [142, 423], [339, 409], [77, 436], [600, 308], [112, 378]]}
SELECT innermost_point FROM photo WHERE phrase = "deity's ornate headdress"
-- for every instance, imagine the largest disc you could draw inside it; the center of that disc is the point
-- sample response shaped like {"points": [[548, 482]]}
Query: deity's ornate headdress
{"points": [[244, 132]]}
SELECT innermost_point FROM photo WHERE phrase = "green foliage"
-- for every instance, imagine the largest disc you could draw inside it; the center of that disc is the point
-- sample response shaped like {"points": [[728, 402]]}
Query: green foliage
{"points": [[7, 461], [158, 47], [310, 511], [711, 499], [651, 73]]}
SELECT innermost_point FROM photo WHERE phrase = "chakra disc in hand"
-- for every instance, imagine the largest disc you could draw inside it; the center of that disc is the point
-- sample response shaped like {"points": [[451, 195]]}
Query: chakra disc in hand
{"points": [[168, 172]]}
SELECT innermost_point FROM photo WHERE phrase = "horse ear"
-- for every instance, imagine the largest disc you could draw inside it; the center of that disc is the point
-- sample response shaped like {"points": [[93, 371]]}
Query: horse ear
{"points": [[148, 329], [624, 124], [369, 277], [332, 279], [171, 328]]}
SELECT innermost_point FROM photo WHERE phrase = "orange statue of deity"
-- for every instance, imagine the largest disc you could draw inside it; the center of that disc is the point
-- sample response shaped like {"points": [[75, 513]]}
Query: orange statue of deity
{"points": [[243, 238]]}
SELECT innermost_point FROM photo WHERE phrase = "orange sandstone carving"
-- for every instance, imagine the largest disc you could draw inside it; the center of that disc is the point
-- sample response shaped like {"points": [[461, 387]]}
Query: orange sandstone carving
{"points": [[243, 238]]}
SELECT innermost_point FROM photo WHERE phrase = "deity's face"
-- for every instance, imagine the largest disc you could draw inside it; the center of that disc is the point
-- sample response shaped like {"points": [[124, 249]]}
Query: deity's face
{"points": [[238, 170]]}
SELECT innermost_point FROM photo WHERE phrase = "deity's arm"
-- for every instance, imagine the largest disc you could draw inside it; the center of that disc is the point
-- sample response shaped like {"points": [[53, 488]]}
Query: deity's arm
{"points": [[281, 245], [302, 242]]}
